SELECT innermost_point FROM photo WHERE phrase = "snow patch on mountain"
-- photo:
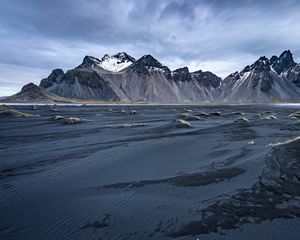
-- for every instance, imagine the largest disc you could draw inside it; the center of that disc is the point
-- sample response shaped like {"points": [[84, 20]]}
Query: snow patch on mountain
{"points": [[263, 81], [117, 62]]}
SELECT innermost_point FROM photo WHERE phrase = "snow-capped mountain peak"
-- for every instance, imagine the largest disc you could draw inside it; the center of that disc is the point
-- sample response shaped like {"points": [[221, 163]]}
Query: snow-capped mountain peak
{"points": [[116, 62], [264, 80], [113, 63]]}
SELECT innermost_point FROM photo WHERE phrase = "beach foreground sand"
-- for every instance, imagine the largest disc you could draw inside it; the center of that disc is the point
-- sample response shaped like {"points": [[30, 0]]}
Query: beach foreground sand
{"points": [[150, 172]]}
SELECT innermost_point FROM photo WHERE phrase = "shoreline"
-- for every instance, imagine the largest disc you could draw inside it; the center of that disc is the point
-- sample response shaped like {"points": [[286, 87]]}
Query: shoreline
{"points": [[149, 104]]}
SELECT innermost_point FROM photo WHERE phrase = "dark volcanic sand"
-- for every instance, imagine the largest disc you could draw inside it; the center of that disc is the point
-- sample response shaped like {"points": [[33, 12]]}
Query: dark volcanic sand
{"points": [[150, 172]]}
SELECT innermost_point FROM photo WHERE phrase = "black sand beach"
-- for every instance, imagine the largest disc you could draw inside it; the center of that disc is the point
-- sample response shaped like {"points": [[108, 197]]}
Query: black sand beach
{"points": [[150, 172]]}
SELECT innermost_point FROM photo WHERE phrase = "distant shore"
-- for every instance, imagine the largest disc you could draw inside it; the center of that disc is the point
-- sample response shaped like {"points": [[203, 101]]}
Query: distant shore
{"points": [[148, 103]]}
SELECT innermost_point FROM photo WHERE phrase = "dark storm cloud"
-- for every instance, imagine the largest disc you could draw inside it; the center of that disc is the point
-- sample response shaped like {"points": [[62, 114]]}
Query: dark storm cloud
{"points": [[221, 36]]}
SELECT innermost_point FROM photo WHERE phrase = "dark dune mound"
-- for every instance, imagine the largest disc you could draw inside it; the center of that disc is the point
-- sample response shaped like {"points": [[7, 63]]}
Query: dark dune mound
{"points": [[187, 180], [272, 197], [10, 112]]}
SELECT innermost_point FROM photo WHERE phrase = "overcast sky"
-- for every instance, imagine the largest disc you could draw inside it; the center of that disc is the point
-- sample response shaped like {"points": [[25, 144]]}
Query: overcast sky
{"points": [[221, 36]]}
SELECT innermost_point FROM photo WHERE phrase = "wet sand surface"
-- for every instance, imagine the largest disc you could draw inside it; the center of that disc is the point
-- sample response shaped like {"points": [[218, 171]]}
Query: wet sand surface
{"points": [[150, 172]]}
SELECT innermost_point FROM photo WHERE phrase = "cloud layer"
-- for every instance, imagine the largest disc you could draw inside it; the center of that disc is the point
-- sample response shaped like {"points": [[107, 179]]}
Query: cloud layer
{"points": [[220, 36]]}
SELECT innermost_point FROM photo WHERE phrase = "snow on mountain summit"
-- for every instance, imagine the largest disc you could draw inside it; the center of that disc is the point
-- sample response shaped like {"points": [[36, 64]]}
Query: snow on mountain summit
{"points": [[117, 62], [112, 63]]}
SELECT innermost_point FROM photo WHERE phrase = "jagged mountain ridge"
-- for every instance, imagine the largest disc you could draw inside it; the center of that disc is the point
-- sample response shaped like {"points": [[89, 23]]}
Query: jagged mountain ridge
{"points": [[264, 81], [81, 83], [145, 79], [148, 80], [287, 68]]}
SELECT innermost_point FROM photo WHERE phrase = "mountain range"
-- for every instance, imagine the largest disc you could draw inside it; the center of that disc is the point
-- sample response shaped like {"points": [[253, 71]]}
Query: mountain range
{"points": [[121, 77]]}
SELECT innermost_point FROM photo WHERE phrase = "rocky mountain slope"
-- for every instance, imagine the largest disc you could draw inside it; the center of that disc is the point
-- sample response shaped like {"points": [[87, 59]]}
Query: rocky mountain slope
{"points": [[143, 80], [266, 80], [82, 83], [121, 77], [32, 92]]}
